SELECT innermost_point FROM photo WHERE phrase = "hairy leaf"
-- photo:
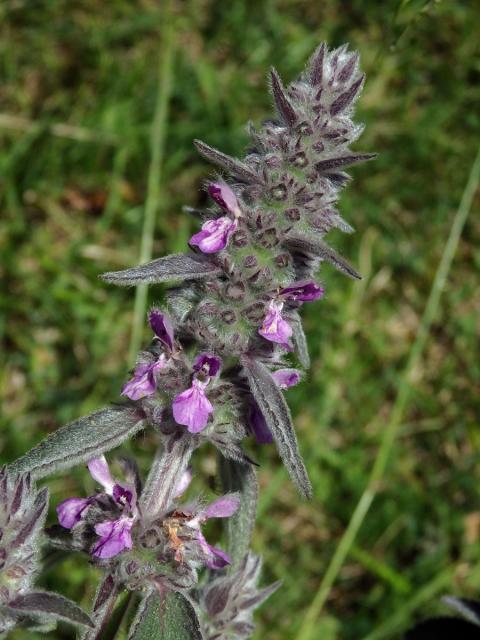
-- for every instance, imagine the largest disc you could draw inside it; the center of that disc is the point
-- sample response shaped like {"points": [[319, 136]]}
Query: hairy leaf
{"points": [[241, 478], [232, 165], [165, 617], [178, 266], [469, 609], [282, 101], [317, 247], [104, 614], [275, 410], [230, 449], [343, 161], [80, 441], [51, 604]]}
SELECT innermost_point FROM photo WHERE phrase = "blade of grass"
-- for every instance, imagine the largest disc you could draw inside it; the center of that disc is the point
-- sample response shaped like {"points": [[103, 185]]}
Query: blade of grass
{"points": [[396, 580], [159, 127], [58, 129], [402, 616], [401, 401]]}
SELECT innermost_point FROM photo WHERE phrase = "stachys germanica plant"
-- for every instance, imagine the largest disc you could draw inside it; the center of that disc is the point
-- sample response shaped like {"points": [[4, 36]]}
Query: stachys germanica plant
{"points": [[224, 348]]}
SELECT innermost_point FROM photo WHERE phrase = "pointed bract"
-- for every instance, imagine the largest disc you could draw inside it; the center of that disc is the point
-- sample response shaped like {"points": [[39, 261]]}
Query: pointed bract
{"points": [[235, 167], [282, 101]]}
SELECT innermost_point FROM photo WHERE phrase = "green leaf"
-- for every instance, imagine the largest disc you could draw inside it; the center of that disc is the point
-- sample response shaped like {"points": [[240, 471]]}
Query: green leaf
{"points": [[80, 441], [43, 603], [275, 410], [175, 267], [165, 617], [311, 245]]}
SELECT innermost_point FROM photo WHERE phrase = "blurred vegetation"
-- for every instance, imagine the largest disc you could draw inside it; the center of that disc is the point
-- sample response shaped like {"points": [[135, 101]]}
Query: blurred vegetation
{"points": [[79, 85]]}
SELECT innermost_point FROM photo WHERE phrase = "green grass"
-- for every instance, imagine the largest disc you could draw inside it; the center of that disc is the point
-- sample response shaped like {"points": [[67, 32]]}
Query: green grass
{"points": [[83, 158]]}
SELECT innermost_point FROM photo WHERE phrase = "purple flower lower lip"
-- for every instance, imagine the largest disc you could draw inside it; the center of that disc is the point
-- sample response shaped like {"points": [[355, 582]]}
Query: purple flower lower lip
{"points": [[224, 196], [162, 327], [214, 235], [192, 408], [274, 327], [115, 537], [304, 291]]}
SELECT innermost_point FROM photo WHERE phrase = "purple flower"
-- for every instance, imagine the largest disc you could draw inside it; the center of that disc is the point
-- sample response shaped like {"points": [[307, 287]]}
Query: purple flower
{"points": [[303, 291], [285, 378], [100, 472], [115, 537], [274, 327], [208, 364], [143, 382], [224, 196], [185, 523], [223, 507], [162, 327], [215, 558], [214, 235], [192, 408]]}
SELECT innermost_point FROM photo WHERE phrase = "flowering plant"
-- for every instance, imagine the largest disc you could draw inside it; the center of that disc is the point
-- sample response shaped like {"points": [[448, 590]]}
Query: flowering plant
{"points": [[225, 347]]}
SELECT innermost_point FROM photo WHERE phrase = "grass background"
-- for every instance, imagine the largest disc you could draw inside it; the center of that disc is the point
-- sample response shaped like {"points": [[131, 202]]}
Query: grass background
{"points": [[78, 92]]}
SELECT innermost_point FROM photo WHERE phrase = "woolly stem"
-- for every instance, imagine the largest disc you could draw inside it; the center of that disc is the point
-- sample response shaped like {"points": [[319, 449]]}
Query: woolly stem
{"points": [[170, 462]]}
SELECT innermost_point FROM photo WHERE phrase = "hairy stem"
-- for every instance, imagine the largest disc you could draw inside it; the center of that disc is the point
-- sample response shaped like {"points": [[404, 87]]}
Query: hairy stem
{"points": [[168, 466]]}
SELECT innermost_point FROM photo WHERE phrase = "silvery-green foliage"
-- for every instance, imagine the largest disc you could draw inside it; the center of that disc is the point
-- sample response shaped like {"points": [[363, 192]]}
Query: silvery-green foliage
{"points": [[275, 410], [227, 603], [80, 441], [23, 510], [165, 616], [176, 267]]}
